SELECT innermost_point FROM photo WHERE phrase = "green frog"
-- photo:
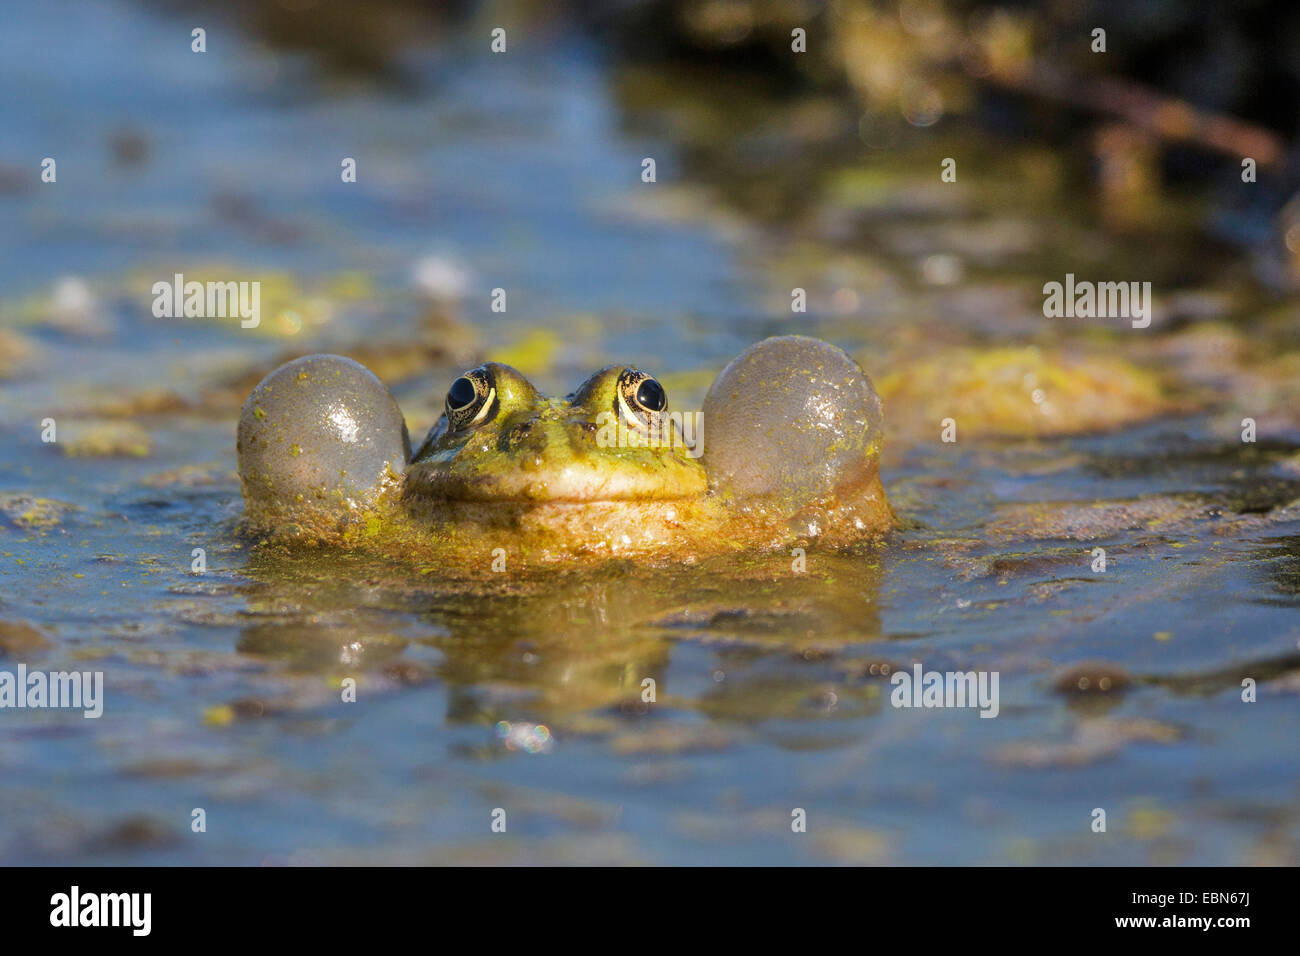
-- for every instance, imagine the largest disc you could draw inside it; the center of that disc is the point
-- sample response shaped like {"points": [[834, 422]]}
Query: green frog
{"points": [[783, 453]]}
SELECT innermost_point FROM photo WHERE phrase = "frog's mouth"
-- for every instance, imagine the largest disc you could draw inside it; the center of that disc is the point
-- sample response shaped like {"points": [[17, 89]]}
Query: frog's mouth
{"points": [[652, 480]]}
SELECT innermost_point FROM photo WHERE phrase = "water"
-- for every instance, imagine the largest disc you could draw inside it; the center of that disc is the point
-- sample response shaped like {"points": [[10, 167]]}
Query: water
{"points": [[223, 689]]}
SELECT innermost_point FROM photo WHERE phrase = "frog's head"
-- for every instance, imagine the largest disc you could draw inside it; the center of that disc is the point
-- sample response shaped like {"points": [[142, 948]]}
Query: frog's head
{"points": [[499, 439], [793, 431]]}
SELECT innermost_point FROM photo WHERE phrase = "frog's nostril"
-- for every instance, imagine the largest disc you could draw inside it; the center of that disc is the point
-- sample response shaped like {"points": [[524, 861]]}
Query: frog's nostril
{"points": [[524, 435]]}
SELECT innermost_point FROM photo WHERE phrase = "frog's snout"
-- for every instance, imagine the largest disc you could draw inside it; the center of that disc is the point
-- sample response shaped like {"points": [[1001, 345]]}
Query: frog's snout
{"points": [[791, 419], [319, 436]]}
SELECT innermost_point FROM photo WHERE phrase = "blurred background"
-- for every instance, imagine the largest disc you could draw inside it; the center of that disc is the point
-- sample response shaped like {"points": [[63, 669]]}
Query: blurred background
{"points": [[775, 170]]}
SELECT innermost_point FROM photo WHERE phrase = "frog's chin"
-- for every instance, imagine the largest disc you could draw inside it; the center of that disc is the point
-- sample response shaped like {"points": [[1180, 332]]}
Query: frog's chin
{"points": [[571, 484]]}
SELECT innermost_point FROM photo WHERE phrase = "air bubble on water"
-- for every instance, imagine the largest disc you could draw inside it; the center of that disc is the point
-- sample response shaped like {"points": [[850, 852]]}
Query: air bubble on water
{"points": [[942, 269], [522, 735], [921, 103], [440, 277]]}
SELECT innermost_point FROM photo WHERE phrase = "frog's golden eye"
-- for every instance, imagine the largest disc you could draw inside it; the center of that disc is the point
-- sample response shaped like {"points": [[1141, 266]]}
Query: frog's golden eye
{"points": [[640, 398], [472, 399]]}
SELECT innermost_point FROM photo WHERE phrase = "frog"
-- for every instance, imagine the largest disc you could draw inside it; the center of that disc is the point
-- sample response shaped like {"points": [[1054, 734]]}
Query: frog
{"points": [[783, 453]]}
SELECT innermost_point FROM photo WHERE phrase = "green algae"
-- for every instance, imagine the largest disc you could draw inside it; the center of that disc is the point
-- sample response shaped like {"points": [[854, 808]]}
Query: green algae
{"points": [[1022, 392]]}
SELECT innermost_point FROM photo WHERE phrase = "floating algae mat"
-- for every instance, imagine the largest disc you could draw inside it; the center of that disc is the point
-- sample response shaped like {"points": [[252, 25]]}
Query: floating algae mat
{"points": [[1082, 511]]}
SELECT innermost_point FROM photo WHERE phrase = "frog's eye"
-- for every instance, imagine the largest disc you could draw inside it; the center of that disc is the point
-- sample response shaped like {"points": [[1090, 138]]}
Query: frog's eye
{"points": [[640, 398], [471, 400], [650, 395]]}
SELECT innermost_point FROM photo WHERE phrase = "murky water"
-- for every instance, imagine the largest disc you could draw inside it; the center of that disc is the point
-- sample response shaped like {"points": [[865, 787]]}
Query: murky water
{"points": [[522, 171]]}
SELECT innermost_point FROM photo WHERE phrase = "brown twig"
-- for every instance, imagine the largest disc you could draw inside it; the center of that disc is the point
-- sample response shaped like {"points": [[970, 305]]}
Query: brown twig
{"points": [[1167, 117]]}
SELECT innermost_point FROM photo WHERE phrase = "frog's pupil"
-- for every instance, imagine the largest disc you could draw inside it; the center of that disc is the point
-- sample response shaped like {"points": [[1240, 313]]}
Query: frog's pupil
{"points": [[462, 393], [651, 395]]}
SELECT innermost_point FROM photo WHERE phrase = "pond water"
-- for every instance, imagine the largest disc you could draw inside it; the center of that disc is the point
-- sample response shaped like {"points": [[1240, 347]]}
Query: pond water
{"points": [[222, 688]]}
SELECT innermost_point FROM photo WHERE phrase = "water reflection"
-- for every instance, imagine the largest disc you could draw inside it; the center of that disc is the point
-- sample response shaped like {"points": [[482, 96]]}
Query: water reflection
{"points": [[748, 642]]}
